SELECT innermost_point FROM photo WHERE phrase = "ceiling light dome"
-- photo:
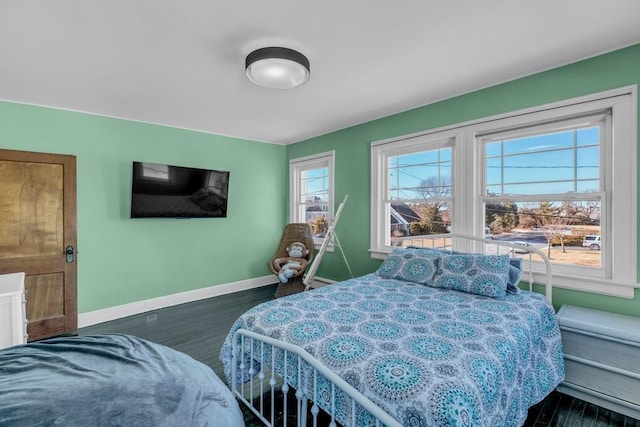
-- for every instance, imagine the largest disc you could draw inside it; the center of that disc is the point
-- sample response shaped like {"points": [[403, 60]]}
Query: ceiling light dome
{"points": [[277, 67]]}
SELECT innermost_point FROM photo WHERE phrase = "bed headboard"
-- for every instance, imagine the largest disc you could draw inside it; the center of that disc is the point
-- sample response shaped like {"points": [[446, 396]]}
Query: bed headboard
{"points": [[471, 244]]}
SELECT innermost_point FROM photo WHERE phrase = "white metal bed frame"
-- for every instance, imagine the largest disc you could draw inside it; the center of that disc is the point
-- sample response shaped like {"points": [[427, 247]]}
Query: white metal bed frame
{"points": [[259, 393]]}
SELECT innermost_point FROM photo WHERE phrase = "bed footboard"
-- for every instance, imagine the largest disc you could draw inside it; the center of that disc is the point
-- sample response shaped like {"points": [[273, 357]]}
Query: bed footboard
{"points": [[265, 370]]}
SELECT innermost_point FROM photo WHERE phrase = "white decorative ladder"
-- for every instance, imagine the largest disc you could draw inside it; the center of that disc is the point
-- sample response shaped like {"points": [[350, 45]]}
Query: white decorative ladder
{"points": [[310, 275]]}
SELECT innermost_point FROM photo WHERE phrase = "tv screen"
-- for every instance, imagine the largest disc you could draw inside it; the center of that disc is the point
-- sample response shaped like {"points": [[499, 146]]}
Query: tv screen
{"points": [[164, 191]]}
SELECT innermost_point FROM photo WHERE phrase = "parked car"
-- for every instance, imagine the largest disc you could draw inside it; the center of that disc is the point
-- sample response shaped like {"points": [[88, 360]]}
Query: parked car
{"points": [[487, 233], [521, 251], [591, 241]]}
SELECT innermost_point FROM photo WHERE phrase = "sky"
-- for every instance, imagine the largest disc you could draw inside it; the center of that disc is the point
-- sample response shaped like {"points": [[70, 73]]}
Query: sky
{"points": [[551, 163], [316, 183]]}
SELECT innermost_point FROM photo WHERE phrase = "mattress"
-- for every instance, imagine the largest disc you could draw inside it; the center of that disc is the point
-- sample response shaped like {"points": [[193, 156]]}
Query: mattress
{"points": [[427, 356]]}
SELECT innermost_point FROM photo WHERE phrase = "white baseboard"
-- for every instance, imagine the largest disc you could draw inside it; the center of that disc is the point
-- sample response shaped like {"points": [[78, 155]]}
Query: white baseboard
{"points": [[120, 311]]}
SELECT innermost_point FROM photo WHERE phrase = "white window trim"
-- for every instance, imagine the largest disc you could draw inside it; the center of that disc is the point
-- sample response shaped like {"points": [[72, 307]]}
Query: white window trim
{"points": [[468, 169], [296, 165], [378, 169]]}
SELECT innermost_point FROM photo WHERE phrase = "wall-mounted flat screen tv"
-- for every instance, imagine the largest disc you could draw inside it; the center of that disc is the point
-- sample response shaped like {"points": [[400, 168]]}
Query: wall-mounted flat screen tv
{"points": [[165, 191]]}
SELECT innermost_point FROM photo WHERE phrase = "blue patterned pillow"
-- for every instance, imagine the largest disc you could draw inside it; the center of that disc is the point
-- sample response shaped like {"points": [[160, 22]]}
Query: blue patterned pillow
{"points": [[515, 267], [410, 265], [474, 273], [515, 271]]}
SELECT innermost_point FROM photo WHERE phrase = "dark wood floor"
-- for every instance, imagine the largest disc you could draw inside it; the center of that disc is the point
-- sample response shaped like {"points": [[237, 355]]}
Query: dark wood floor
{"points": [[200, 327], [196, 328]]}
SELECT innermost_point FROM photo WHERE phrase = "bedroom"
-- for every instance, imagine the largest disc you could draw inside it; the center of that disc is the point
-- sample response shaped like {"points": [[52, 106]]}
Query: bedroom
{"points": [[129, 266]]}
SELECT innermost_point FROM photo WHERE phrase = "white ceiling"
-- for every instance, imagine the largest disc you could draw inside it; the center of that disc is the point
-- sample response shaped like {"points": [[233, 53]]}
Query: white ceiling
{"points": [[181, 62]]}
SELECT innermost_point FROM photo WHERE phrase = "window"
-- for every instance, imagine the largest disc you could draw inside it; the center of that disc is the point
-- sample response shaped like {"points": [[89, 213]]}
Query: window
{"points": [[155, 171], [311, 192], [416, 192], [542, 185], [545, 177]]}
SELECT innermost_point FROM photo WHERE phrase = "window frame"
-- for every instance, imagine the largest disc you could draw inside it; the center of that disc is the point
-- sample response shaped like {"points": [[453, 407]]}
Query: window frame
{"points": [[605, 163], [619, 271], [296, 167], [379, 169]]}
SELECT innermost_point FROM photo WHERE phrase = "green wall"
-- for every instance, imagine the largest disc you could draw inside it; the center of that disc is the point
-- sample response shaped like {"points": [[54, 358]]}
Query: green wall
{"points": [[352, 150], [123, 260]]}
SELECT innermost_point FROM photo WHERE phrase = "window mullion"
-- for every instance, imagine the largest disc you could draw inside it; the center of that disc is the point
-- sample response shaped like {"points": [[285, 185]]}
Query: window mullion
{"points": [[575, 160]]}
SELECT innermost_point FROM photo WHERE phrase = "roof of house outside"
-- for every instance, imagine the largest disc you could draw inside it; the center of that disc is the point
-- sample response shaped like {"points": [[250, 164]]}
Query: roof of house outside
{"points": [[405, 212]]}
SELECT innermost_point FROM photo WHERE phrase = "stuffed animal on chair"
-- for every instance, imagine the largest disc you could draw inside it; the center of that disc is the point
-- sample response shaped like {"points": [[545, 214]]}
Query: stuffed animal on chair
{"points": [[292, 265]]}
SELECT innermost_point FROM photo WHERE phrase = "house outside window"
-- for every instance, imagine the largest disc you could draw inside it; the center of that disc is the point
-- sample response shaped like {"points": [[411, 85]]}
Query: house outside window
{"points": [[311, 192], [543, 177]]}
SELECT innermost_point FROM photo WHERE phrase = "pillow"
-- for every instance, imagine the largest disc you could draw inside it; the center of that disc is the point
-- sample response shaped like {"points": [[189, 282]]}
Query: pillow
{"points": [[474, 273], [410, 265], [199, 195], [515, 271], [210, 203], [515, 267]]}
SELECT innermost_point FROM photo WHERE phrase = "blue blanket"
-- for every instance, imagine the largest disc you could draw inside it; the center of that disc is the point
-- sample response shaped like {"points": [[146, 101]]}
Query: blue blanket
{"points": [[427, 356], [110, 380]]}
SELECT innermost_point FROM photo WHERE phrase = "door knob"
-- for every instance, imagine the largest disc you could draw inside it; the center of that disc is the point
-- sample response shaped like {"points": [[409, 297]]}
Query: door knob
{"points": [[69, 252]]}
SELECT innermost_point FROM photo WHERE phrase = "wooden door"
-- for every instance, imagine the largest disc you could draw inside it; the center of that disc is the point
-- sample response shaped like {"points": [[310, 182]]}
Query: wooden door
{"points": [[37, 228]]}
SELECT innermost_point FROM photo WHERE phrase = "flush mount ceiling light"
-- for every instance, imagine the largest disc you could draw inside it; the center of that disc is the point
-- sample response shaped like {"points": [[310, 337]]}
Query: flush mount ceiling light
{"points": [[277, 67]]}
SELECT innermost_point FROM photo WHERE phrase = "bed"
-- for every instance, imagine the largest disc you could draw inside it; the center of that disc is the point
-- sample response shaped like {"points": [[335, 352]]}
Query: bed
{"points": [[150, 205], [430, 339], [110, 380]]}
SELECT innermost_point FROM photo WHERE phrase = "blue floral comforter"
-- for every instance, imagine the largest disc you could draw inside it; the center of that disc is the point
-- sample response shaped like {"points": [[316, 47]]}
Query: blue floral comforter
{"points": [[427, 356], [110, 380]]}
